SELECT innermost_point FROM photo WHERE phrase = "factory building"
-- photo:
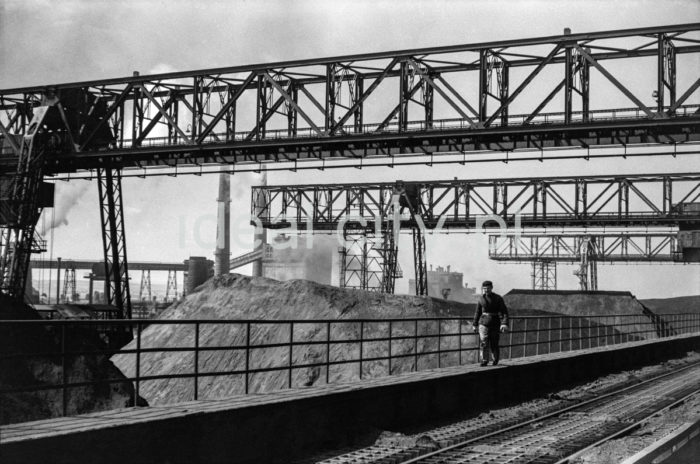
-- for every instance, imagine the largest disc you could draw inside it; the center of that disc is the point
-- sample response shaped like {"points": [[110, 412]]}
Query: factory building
{"points": [[446, 284]]}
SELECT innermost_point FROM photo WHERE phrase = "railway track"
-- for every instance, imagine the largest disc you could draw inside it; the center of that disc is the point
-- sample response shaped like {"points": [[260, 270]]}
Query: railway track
{"points": [[557, 436]]}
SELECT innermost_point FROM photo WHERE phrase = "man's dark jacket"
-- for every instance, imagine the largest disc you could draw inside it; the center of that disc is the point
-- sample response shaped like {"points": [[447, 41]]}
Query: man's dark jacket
{"points": [[491, 311]]}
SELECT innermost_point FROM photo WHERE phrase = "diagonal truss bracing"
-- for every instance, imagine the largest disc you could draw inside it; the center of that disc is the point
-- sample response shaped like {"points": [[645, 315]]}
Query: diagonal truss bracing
{"points": [[626, 200], [617, 247], [509, 95]]}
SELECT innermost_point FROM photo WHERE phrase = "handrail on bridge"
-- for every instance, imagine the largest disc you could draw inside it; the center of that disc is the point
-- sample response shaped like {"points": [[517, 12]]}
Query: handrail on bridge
{"points": [[291, 352]]}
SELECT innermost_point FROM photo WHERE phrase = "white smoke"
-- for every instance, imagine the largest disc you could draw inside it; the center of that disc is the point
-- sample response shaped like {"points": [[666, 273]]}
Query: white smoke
{"points": [[66, 197]]}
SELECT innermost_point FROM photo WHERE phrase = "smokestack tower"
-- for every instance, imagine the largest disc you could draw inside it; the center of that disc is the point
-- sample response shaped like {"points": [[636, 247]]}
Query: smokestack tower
{"points": [[260, 235], [222, 254]]}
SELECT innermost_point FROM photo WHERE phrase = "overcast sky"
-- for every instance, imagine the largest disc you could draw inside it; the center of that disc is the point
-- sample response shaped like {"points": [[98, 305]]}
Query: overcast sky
{"points": [[169, 219]]}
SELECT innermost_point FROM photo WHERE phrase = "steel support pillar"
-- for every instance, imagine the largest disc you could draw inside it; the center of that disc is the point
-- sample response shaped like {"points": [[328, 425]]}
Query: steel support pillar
{"points": [[172, 285], [145, 288], [420, 262], [493, 84], [114, 241], [362, 262], [576, 81], [587, 272], [544, 274], [666, 75], [70, 294], [20, 208]]}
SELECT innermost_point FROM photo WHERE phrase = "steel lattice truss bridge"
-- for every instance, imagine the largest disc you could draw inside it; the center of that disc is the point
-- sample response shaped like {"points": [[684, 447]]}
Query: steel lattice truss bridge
{"points": [[506, 100], [375, 211]]}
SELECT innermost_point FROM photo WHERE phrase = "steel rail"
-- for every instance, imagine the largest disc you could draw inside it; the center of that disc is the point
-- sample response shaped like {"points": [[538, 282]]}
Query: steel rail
{"points": [[625, 431], [558, 412]]}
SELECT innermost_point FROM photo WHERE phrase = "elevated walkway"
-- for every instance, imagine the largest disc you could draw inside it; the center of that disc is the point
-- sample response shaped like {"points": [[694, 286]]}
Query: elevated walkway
{"points": [[282, 426]]}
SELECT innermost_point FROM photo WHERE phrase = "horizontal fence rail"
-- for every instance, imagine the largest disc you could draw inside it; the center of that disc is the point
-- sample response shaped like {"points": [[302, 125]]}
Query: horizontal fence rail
{"points": [[265, 355]]}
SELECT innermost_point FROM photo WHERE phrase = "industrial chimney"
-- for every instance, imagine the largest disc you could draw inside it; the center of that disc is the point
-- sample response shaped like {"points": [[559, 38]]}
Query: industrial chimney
{"points": [[222, 254], [260, 235]]}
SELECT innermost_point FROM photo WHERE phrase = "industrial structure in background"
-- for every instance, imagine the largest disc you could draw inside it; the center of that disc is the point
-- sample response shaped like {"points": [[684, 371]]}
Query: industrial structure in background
{"points": [[222, 254], [138, 126], [545, 250], [447, 284], [641, 204]]}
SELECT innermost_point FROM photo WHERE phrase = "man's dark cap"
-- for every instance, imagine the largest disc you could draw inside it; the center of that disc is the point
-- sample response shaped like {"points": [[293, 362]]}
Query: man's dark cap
{"points": [[487, 283]]}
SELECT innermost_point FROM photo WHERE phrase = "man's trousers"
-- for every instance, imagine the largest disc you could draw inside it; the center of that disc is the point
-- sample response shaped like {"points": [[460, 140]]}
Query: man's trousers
{"points": [[488, 341]]}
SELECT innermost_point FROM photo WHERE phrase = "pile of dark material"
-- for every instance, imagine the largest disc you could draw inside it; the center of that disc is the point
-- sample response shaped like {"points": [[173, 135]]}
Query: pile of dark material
{"points": [[32, 358]]}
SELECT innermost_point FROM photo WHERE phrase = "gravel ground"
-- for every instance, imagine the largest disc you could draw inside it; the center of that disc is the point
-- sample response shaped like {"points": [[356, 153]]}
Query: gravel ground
{"points": [[434, 435]]}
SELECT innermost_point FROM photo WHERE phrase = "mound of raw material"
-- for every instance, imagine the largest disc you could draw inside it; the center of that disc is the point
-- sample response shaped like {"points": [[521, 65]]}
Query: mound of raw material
{"points": [[239, 296], [45, 369], [680, 304], [618, 308], [236, 296]]}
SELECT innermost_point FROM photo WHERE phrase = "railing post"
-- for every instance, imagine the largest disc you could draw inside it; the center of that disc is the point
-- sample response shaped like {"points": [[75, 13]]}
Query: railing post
{"points": [[362, 336], [510, 341], [247, 355], [64, 379], [459, 335], [291, 352], [525, 342], [390, 332], [196, 361], [571, 333], [439, 347], [537, 338], [137, 391], [415, 345], [580, 334], [328, 351], [549, 335], [561, 335]]}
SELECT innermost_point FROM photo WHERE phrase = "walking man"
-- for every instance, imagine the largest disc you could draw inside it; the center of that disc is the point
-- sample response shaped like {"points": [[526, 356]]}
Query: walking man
{"points": [[490, 319]]}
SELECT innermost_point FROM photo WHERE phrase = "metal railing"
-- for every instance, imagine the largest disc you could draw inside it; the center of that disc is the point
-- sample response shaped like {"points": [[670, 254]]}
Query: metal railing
{"points": [[542, 119], [266, 355]]}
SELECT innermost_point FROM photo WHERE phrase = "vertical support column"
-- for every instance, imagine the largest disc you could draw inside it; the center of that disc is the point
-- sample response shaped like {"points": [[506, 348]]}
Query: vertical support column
{"points": [[666, 75], [503, 88], [484, 81], [330, 96], [359, 91], [231, 116], [389, 260], [584, 73], [429, 104], [261, 108], [196, 106], [172, 285], [21, 212], [292, 115], [569, 65], [145, 288], [137, 114], [114, 241], [544, 274], [403, 96], [420, 262], [581, 200], [668, 195], [488, 62]]}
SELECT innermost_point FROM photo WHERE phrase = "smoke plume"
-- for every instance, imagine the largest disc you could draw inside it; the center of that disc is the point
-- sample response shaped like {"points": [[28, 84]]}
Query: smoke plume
{"points": [[67, 196]]}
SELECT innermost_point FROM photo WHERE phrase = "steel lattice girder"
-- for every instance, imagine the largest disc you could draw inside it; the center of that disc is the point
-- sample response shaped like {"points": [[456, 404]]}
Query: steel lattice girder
{"points": [[660, 247], [117, 290], [319, 108], [628, 200]]}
